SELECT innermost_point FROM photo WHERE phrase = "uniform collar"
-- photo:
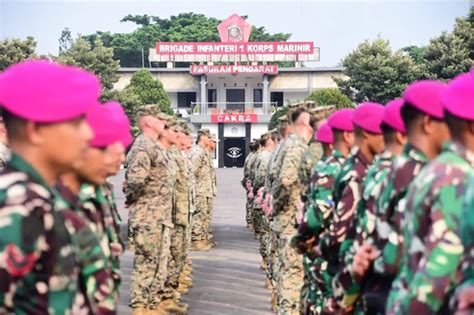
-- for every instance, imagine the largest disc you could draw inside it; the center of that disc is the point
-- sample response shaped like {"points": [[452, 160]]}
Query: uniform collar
{"points": [[459, 150], [414, 153], [361, 158], [20, 164]]}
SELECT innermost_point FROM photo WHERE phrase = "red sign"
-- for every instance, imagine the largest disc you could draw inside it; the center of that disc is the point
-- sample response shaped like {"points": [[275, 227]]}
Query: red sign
{"points": [[234, 29], [231, 48], [234, 69], [234, 118]]}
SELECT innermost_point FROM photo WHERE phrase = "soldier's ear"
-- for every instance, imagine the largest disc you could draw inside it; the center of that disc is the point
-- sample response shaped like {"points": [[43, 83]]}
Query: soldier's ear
{"points": [[427, 124]]}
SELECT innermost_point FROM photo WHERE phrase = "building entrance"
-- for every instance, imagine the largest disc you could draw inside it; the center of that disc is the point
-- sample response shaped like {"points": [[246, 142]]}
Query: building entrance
{"points": [[234, 152]]}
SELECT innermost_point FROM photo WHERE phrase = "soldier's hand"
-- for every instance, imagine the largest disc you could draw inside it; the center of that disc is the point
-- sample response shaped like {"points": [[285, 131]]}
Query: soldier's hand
{"points": [[465, 301], [363, 259]]}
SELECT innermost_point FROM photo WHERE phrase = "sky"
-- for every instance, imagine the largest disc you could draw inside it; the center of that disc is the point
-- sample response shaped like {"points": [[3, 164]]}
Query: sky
{"points": [[337, 27]]}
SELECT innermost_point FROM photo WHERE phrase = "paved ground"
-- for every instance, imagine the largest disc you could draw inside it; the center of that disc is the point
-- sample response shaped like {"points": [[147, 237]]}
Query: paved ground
{"points": [[227, 279]]}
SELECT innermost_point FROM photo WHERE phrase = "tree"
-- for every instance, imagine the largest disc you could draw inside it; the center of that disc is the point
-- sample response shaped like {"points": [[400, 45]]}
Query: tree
{"points": [[416, 53], [330, 96], [98, 59], [144, 89], [186, 27], [65, 41], [16, 50], [376, 73], [274, 122], [451, 53]]}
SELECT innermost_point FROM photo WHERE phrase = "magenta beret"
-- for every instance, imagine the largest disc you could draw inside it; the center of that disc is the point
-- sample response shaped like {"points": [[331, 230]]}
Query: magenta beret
{"points": [[43, 91], [341, 120], [368, 116], [425, 96], [108, 125], [393, 116], [324, 134], [458, 98], [123, 123]]}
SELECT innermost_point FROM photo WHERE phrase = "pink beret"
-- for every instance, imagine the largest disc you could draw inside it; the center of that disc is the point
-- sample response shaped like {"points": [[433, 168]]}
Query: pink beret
{"points": [[458, 98], [324, 134], [43, 91], [425, 96], [108, 125], [341, 120], [368, 116], [393, 116], [123, 123]]}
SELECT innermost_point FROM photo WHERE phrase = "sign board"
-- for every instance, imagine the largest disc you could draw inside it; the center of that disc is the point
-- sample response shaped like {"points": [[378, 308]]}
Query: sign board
{"points": [[233, 118], [233, 69], [242, 48]]}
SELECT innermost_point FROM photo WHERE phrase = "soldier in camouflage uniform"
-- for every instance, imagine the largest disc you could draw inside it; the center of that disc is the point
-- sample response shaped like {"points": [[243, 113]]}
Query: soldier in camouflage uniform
{"points": [[148, 192], [350, 284], [319, 209], [267, 145], [203, 176], [211, 149], [44, 248], [286, 204], [4, 150], [432, 248], [425, 135], [248, 161], [83, 192], [463, 301]]}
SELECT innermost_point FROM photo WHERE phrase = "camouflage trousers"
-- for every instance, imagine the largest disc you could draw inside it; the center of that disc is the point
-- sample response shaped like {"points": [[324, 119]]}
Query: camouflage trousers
{"points": [[290, 277], [264, 237], [257, 221], [248, 211], [201, 219], [272, 265], [176, 261], [150, 265], [208, 219]]}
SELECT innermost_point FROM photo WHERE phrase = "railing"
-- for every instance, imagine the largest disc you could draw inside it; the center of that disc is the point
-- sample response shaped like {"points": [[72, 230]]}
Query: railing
{"points": [[259, 108]]}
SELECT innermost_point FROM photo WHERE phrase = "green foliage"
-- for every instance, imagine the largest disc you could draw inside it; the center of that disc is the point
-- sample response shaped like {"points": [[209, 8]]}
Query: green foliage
{"points": [[274, 122], [97, 59], [330, 96], [185, 27], [144, 89], [15, 50], [451, 53], [65, 40], [376, 73], [416, 53]]}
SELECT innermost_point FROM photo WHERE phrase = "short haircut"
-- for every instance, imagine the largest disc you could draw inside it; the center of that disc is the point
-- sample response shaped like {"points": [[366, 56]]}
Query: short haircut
{"points": [[457, 126], [389, 134], [410, 114], [358, 131], [254, 146], [313, 122], [338, 135], [297, 113], [14, 125]]}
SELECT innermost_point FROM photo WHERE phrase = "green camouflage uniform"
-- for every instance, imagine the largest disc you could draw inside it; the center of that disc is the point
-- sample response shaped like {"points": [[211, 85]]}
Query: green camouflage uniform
{"points": [[148, 190], [316, 222], [101, 291], [287, 199], [432, 250], [180, 219], [208, 221], [40, 269], [349, 288], [204, 194]]}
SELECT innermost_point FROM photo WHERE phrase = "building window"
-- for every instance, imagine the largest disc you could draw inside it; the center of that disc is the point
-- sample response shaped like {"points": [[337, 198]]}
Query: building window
{"points": [[257, 98], [185, 99], [277, 97], [212, 98]]}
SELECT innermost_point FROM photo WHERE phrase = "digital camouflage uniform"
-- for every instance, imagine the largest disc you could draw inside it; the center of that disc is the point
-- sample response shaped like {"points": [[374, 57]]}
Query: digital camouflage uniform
{"points": [[180, 218], [204, 193], [248, 206], [259, 182], [213, 196], [316, 222], [148, 190], [287, 200], [389, 212], [349, 289], [432, 249], [40, 269], [101, 291], [192, 201]]}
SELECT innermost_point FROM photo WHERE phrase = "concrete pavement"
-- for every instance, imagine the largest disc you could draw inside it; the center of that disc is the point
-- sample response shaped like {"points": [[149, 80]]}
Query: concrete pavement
{"points": [[227, 279]]}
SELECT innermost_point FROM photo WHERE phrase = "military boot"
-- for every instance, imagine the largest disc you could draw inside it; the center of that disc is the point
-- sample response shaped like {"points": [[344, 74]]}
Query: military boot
{"points": [[157, 311], [274, 302], [183, 289], [140, 311], [201, 246], [173, 306]]}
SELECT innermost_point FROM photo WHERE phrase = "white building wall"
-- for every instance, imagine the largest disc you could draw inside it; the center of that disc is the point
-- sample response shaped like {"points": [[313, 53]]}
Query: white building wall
{"points": [[293, 97], [257, 130]]}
